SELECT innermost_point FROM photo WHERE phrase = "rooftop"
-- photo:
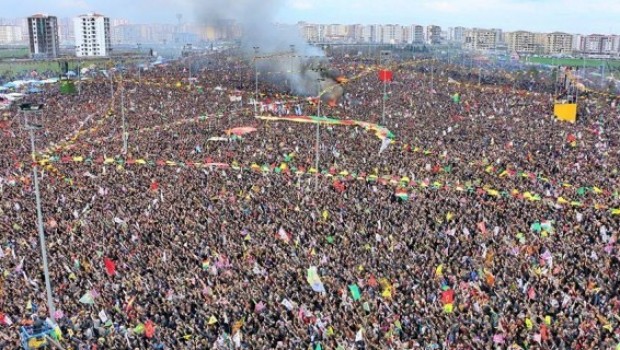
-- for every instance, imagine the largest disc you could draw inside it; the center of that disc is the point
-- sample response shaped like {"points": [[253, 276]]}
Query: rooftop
{"points": [[91, 14]]}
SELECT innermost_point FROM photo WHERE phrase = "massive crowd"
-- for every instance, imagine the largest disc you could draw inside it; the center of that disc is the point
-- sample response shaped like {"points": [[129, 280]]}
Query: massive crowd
{"points": [[506, 237]]}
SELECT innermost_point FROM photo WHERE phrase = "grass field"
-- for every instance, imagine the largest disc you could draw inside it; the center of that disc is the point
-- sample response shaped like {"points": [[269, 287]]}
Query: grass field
{"points": [[17, 68], [14, 53], [575, 62]]}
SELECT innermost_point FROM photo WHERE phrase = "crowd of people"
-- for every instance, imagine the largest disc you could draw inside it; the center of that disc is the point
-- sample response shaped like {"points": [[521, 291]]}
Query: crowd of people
{"points": [[485, 223]]}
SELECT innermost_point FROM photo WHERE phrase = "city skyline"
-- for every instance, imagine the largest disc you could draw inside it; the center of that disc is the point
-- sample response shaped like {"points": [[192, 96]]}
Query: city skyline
{"points": [[571, 16]]}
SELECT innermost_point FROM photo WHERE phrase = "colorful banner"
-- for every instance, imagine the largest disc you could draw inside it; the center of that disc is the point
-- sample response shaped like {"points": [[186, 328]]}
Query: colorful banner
{"points": [[380, 131]]}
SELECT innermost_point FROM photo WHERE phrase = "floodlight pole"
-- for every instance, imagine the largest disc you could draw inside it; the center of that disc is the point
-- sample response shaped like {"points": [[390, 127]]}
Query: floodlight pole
{"points": [[48, 284], [291, 64], [432, 74], [125, 136], [256, 80], [318, 133]]}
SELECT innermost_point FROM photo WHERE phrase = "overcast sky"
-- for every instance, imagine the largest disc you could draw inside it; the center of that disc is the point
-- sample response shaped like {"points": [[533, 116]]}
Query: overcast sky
{"points": [[574, 16]]}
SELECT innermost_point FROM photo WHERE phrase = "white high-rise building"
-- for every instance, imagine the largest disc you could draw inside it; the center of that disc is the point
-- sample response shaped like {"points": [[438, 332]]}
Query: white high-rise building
{"points": [[10, 34], [392, 34], [92, 35]]}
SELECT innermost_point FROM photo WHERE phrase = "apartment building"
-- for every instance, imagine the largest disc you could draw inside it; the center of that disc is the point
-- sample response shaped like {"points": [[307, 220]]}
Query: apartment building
{"points": [[92, 35], [523, 42], [10, 34], [457, 34], [43, 36], [480, 39], [417, 34], [433, 34], [559, 43]]}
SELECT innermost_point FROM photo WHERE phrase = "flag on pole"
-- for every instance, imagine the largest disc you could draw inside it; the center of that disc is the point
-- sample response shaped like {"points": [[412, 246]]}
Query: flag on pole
{"points": [[386, 75], [149, 329], [402, 194], [456, 98], [87, 298], [314, 280], [355, 292], [384, 144], [283, 235], [110, 266]]}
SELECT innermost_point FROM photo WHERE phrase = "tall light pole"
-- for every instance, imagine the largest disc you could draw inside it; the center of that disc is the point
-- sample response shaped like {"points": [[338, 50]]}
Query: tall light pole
{"points": [[79, 70], [256, 80], [139, 69], [125, 136], [291, 61], [318, 132], [26, 107]]}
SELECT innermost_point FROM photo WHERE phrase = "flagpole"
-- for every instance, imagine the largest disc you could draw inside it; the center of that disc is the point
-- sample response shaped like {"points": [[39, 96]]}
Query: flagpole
{"points": [[383, 103]]}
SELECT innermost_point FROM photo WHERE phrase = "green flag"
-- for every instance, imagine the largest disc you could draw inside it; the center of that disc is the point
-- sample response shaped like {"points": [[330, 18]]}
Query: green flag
{"points": [[366, 306], [355, 292], [456, 98]]}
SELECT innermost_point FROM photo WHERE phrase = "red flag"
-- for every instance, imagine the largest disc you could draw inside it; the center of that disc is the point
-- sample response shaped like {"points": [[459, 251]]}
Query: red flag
{"points": [[339, 186], [372, 281], [149, 329], [571, 138], [154, 185], [531, 293], [544, 332], [447, 297], [386, 75], [482, 227], [110, 267]]}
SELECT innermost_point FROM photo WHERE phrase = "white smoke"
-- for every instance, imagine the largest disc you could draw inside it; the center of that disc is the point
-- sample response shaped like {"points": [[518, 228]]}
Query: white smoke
{"points": [[275, 44]]}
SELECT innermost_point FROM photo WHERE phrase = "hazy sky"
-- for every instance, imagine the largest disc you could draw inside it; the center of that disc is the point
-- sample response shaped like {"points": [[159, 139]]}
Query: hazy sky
{"points": [[574, 16]]}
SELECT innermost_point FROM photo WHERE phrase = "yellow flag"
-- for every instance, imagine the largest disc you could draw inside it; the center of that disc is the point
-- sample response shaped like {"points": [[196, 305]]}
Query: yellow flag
{"points": [[449, 216], [494, 193], [597, 190], [562, 200], [325, 215], [439, 270], [448, 308], [548, 320], [212, 320], [528, 324]]}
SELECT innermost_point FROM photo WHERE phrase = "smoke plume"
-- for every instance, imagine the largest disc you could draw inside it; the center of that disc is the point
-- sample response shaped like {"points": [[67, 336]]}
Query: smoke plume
{"points": [[280, 49]]}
